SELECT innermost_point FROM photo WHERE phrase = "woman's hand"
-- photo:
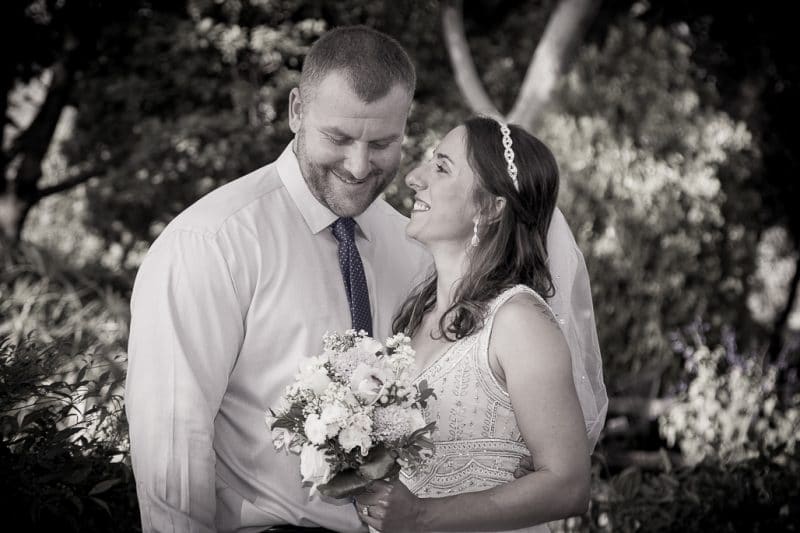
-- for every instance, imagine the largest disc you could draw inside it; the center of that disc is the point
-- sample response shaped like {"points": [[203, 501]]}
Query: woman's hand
{"points": [[390, 507]]}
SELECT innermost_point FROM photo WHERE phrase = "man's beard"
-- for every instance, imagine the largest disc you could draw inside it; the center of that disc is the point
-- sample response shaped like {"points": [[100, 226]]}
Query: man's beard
{"points": [[321, 180]]}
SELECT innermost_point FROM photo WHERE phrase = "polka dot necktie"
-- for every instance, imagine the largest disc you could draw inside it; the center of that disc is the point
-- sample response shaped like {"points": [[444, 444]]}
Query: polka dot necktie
{"points": [[355, 283]]}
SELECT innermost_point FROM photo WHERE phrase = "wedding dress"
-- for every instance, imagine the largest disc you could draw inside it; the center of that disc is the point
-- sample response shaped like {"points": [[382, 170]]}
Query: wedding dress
{"points": [[478, 443]]}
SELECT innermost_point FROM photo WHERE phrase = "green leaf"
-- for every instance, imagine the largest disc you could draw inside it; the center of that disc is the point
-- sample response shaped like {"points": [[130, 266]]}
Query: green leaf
{"points": [[282, 422], [33, 417], [418, 434], [103, 379], [75, 501], [102, 504], [380, 463], [344, 484], [64, 434], [79, 475], [423, 393], [628, 482], [103, 486]]}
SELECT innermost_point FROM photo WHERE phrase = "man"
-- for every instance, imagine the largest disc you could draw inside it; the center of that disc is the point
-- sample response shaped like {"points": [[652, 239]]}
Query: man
{"points": [[239, 289]]}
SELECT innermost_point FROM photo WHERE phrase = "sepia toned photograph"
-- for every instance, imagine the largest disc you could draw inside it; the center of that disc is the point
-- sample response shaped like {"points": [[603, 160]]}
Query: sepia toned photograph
{"points": [[399, 266]]}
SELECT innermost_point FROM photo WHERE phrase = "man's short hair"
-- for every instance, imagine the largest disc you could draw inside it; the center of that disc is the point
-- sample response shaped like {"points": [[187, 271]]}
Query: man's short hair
{"points": [[371, 61]]}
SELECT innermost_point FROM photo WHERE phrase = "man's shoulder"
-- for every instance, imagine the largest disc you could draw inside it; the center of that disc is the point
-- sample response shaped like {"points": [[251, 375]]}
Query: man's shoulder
{"points": [[231, 201]]}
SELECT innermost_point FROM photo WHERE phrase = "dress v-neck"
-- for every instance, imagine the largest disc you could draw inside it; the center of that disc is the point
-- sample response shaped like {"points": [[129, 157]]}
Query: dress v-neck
{"points": [[439, 358]]}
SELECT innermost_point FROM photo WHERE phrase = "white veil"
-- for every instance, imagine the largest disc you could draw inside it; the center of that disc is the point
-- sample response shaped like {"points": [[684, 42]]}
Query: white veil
{"points": [[572, 305]]}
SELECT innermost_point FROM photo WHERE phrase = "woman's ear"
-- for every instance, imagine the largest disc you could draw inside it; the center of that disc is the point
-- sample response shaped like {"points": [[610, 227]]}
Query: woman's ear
{"points": [[498, 205]]}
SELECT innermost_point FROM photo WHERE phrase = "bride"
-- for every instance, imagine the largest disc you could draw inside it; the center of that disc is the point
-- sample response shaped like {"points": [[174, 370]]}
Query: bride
{"points": [[489, 344]]}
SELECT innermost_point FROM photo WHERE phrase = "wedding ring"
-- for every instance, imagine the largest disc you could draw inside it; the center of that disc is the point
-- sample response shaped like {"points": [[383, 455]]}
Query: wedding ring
{"points": [[365, 510]]}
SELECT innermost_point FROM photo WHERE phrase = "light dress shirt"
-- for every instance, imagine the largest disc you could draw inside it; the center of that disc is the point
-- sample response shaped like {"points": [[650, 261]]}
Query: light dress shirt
{"points": [[233, 296]]}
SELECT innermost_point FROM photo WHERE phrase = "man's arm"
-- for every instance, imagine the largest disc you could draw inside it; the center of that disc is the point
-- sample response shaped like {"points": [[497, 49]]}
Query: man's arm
{"points": [[186, 330]]}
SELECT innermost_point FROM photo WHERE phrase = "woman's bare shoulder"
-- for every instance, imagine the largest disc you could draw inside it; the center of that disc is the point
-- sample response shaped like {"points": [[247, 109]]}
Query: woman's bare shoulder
{"points": [[526, 320]]}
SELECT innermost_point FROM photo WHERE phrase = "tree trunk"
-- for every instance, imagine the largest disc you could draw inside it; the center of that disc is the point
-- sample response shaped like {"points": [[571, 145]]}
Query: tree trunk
{"points": [[554, 53], [22, 162], [776, 339], [467, 79], [12, 217]]}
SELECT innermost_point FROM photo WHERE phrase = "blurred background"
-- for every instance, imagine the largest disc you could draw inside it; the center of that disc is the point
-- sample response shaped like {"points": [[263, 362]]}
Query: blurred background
{"points": [[673, 126]]}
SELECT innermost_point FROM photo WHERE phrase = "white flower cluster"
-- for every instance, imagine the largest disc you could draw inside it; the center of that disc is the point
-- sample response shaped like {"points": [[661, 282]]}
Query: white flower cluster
{"points": [[393, 422], [354, 396], [363, 352]]}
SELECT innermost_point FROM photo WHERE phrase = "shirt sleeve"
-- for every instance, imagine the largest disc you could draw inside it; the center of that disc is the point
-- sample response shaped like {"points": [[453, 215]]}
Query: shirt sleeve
{"points": [[186, 331]]}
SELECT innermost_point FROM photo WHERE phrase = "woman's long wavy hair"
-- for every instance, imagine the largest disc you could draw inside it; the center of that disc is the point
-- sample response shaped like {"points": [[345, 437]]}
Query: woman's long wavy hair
{"points": [[512, 247]]}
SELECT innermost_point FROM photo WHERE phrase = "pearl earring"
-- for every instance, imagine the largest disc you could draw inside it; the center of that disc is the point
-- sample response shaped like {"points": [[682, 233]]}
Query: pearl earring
{"points": [[475, 240]]}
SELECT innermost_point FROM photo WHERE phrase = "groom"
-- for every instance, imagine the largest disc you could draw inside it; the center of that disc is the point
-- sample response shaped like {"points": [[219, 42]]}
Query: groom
{"points": [[239, 289]]}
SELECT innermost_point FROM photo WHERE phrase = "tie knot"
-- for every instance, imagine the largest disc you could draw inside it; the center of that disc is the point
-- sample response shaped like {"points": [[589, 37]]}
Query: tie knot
{"points": [[344, 229]]}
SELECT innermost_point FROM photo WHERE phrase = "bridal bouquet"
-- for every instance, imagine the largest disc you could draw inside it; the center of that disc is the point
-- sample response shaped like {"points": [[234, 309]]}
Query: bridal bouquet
{"points": [[353, 414]]}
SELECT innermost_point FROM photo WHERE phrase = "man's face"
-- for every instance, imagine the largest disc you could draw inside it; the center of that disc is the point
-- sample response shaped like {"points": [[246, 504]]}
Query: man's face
{"points": [[348, 150]]}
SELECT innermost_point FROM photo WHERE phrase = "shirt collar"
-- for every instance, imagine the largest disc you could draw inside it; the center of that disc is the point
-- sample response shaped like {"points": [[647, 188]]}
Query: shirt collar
{"points": [[317, 216]]}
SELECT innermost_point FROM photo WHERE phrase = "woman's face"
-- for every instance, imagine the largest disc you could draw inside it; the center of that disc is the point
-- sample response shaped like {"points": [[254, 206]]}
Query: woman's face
{"points": [[444, 207]]}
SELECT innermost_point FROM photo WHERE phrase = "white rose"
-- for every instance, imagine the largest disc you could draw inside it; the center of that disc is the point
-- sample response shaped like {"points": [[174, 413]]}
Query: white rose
{"points": [[313, 465], [358, 432], [334, 416], [350, 399], [350, 437], [316, 429], [370, 346], [334, 413], [315, 379], [281, 437], [367, 382]]}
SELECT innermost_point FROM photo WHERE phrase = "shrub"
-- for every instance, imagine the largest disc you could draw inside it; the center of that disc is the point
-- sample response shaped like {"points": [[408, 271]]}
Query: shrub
{"points": [[57, 472], [757, 494], [659, 190]]}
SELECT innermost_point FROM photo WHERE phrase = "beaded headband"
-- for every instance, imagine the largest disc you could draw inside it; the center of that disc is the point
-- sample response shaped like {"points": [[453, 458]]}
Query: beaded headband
{"points": [[508, 153]]}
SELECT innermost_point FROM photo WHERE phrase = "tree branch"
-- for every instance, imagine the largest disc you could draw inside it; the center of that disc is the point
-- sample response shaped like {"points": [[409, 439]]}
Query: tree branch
{"points": [[466, 75], [68, 183], [5, 89], [776, 338], [554, 53], [34, 142]]}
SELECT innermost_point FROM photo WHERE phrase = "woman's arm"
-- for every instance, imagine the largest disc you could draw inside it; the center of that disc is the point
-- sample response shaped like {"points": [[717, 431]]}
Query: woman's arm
{"points": [[529, 353]]}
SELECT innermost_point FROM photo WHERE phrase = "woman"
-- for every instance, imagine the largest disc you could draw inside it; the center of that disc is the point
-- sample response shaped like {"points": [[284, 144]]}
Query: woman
{"points": [[489, 345]]}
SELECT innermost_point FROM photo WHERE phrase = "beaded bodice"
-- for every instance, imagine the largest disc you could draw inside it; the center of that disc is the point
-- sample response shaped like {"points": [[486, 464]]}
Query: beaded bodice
{"points": [[478, 443]]}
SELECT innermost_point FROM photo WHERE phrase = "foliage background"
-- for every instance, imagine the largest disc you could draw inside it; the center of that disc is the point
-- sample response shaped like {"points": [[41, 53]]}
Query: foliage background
{"points": [[673, 133]]}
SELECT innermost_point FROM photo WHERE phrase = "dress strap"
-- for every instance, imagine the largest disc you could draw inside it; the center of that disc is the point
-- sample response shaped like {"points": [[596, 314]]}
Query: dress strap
{"points": [[509, 293], [486, 331]]}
